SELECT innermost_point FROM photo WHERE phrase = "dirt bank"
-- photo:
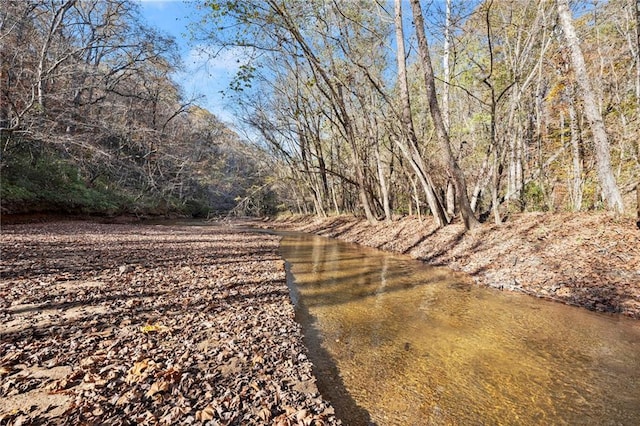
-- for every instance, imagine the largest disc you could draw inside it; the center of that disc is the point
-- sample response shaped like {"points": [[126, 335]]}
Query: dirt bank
{"points": [[140, 324], [589, 260]]}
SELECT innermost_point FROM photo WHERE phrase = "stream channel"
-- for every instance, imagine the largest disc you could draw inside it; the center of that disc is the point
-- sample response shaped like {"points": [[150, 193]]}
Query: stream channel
{"points": [[396, 342]]}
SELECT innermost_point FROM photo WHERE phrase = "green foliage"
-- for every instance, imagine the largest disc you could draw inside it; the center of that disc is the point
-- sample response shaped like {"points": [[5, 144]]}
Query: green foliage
{"points": [[591, 194], [243, 78], [197, 208], [14, 193], [50, 183], [534, 197]]}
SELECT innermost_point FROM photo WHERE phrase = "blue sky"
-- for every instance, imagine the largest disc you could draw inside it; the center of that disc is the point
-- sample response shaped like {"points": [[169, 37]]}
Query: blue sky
{"points": [[202, 76]]}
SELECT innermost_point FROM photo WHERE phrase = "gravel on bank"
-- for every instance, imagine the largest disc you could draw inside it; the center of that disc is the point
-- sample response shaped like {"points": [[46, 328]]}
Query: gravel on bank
{"points": [[139, 324], [588, 259]]}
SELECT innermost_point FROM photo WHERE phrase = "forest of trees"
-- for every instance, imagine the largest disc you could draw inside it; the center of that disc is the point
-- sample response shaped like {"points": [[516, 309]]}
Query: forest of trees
{"points": [[407, 107], [92, 122], [470, 109]]}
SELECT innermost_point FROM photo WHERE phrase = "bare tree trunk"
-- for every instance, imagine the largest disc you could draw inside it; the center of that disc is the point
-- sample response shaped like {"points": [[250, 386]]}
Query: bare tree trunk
{"points": [[451, 164], [445, 67], [317, 201], [450, 199], [334, 198], [55, 24], [416, 198], [384, 189], [362, 191], [495, 183], [638, 204], [610, 190], [636, 9], [411, 153], [483, 180], [576, 196]]}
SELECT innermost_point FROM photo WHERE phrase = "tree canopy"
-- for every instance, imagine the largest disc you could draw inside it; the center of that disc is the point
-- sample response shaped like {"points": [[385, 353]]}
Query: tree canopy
{"points": [[322, 88], [481, 110]]}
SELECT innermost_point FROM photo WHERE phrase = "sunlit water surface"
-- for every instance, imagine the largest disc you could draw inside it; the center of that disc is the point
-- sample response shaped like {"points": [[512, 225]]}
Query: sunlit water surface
{"points": [[395, 342]]}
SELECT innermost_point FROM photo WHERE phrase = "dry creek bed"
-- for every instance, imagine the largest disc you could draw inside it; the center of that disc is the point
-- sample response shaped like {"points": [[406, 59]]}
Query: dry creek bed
{"points": [[139, 324]]}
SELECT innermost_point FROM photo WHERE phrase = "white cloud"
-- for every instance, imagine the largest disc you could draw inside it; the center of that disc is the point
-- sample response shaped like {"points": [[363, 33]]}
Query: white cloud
{"points": [[215, 59], [156, 4], [208, 72]]}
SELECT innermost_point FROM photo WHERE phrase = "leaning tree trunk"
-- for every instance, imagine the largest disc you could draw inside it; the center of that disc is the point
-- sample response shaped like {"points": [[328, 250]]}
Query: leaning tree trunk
{"points": [[411, 151], [610, 190], [451, 164], [333, 94]]}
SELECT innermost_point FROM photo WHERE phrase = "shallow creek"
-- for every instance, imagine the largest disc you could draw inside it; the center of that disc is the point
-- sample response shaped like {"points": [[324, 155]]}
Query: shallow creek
{"points": [[395, 342]]}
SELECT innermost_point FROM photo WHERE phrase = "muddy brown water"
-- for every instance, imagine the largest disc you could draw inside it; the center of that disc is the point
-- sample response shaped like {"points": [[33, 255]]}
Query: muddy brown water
{"points": [[395, 342]]}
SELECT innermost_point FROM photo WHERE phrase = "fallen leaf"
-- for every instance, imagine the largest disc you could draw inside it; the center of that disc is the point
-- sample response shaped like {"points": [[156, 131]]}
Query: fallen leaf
{"points": [[128, 396], [139, 369], [171, 374], [159, 386], [207, 413], [265, 414], [154, 328], [257, 359]]}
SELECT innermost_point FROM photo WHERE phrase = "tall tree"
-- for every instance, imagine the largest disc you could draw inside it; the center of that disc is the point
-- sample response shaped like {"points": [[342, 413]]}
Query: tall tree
{"points": [[610, 191], [450, 162], [335, 94], [636, 9], [411, 150], [446, 69]]}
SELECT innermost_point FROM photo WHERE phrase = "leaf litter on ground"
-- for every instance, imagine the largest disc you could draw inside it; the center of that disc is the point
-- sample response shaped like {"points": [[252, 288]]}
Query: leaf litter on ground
{"points": [[142, 324]]}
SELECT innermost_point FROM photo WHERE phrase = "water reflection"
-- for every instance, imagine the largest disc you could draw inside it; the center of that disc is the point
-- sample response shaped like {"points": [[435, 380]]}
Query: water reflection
{"points": [[399, 343]]}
